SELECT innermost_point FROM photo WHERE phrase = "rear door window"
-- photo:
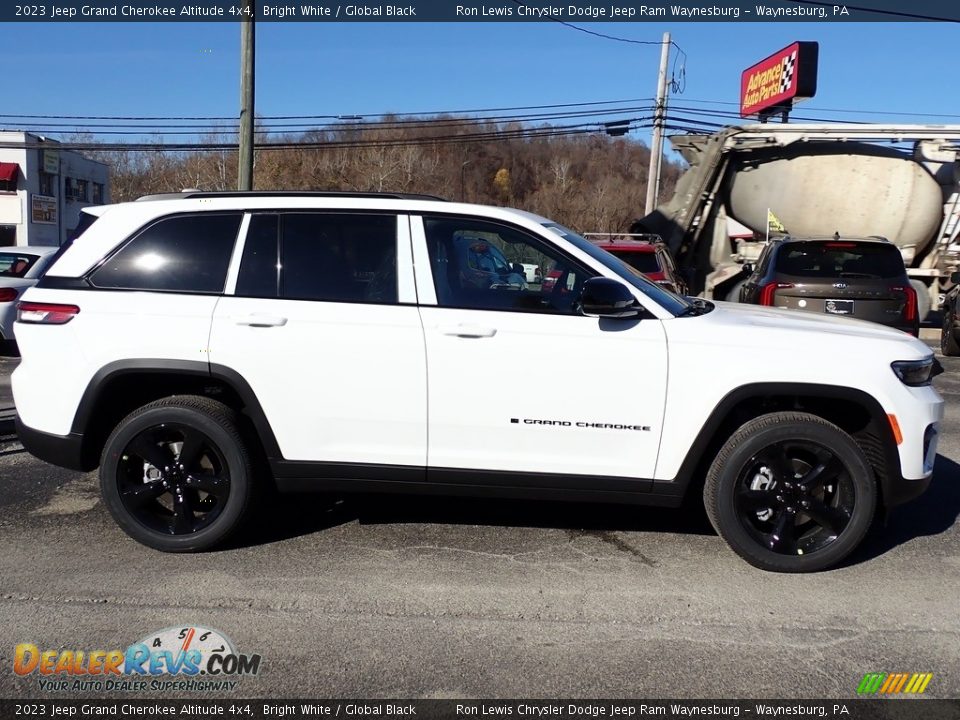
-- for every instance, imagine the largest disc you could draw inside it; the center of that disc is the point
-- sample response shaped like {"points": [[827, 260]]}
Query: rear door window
{"points": [[259, 274], [846, 259], [183, 253], [333, 257]]}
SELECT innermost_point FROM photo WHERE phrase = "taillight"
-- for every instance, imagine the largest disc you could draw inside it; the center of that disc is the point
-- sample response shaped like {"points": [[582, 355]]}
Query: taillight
{"points": [[7, 294], [910, 304], [767, 291], [45, 313]]}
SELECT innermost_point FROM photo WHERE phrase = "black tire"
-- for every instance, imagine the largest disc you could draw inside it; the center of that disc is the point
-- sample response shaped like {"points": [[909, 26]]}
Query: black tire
{"points": [[8, 348], [949, 344], [179, 507], [791, 492]]}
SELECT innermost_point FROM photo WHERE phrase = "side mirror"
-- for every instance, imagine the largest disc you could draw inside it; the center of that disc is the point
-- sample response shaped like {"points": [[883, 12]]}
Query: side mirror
{"points": [[603, 297], [955, 278], [748, 269]]}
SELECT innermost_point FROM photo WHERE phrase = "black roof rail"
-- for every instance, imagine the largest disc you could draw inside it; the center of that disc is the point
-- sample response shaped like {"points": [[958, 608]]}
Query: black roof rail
{"points": [[199, 194]]}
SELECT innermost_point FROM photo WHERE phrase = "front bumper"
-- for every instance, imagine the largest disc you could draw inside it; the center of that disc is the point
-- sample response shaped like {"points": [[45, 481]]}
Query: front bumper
{"points": [[900, 490]]}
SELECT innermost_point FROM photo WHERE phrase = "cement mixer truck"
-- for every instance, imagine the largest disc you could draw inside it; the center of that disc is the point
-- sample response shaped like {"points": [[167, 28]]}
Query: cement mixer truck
{"points": [[901, 182]]}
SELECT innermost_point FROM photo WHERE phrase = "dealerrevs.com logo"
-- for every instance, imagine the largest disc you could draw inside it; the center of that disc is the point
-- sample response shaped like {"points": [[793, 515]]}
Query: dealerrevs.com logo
{"points": [[191, 658]]}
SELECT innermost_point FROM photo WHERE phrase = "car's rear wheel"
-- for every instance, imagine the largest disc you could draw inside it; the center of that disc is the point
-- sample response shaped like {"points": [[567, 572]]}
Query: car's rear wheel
{"points": [[949, 343], [791, 492], [176, 476]]}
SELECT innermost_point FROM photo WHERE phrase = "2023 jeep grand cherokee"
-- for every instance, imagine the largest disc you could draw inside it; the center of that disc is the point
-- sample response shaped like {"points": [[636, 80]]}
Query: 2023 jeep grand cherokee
{"points": [[198, 347]]}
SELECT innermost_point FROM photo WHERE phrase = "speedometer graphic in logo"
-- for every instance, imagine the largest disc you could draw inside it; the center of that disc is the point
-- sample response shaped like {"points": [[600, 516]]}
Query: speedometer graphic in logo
{"points": [[181, 640]]}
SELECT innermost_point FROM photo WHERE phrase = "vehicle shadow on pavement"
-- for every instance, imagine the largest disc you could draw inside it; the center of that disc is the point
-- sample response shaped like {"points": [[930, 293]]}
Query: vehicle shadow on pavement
{"points": [[289, 516], [933, 513]]}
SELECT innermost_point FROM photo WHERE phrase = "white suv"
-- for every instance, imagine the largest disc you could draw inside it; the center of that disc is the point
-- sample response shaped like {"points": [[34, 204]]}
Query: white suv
{"points": [[199, 347]]}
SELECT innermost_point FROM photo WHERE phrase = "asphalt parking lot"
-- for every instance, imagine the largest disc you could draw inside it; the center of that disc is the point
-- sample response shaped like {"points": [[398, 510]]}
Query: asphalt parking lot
{"points": [[378, 598]]}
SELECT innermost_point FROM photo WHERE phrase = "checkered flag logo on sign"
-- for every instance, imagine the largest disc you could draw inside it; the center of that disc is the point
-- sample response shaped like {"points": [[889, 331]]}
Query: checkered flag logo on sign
{"points": [[787, 70]]}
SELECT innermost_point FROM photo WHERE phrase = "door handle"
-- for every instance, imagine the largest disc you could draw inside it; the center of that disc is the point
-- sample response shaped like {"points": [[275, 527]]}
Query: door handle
{"points": [[261, 320], [468, 331]]}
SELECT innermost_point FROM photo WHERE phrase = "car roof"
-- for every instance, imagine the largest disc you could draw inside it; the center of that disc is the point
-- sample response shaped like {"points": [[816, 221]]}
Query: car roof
{"points": [[212, 195], [872, 240], [119, 220], [637, 246], [37, 250]]}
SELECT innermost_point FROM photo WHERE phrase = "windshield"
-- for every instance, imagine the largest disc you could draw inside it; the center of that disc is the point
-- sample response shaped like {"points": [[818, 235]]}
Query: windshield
{"points": [[645, 262], [843, 259], [670, 302]]}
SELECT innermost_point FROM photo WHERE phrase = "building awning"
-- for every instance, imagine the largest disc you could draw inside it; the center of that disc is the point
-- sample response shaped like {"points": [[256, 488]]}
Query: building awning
{"points": [[8, 172]]}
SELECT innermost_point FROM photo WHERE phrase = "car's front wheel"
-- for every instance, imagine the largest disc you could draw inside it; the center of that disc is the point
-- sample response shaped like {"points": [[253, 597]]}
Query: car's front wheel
{"points": [[791, 492], [176, 476]]}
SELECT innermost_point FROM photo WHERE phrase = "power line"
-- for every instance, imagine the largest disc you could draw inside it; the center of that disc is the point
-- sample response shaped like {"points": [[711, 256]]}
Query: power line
{"points": [[359, 126], [676, 85], [341, 116], [740, 120], [836, 110], [417, 118], [553, 17], [519, 133]]}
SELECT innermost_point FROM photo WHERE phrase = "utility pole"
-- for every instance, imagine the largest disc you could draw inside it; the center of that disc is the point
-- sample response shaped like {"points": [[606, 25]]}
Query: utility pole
{"points": [[247, 61], [656, 145]]}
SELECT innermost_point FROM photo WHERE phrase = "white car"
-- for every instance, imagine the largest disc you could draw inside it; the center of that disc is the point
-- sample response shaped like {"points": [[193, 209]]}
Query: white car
{"points": [[201, 346], [20, 268]]}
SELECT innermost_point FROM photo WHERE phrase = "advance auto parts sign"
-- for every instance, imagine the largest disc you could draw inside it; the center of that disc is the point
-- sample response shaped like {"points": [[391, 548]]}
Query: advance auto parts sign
{"points": [[780, 80]]}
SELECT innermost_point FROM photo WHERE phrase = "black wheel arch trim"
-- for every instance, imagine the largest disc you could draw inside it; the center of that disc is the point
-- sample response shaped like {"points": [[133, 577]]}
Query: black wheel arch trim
{"points": [[193, 368], [894, 489], [892, 482]]}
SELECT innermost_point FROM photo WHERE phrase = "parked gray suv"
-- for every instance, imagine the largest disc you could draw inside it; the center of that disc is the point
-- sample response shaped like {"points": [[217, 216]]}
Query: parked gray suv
{"points": [[862, 278]]}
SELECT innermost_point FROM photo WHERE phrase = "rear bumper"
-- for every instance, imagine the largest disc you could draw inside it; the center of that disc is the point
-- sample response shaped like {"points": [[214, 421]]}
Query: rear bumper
{"points": [[63, 450]]}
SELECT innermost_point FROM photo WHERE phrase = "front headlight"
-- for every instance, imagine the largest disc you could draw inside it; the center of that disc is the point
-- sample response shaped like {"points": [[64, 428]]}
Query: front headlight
{"points": [[916, 373]]}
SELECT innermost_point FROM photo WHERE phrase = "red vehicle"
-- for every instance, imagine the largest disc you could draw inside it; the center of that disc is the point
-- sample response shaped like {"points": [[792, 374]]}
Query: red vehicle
{"points": [[646, 253]]}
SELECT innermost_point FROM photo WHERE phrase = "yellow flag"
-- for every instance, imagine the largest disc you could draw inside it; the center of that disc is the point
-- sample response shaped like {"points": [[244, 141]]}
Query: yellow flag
{"points": [[773, 223]]}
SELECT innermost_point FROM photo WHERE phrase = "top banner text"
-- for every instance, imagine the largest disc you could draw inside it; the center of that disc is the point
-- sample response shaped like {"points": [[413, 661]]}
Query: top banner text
{"points": [[659, 11]]}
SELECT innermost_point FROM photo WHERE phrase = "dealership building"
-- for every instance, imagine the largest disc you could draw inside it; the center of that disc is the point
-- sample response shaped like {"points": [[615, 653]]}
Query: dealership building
{"points": [[43, 189]]}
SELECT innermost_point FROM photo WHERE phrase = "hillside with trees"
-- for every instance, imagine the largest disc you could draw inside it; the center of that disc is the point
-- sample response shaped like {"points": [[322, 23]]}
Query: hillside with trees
{"points": [[588, 181]]}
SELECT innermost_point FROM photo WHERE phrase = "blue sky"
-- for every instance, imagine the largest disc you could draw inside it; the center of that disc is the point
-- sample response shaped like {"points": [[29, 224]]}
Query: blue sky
{"points": [[178, 69]]}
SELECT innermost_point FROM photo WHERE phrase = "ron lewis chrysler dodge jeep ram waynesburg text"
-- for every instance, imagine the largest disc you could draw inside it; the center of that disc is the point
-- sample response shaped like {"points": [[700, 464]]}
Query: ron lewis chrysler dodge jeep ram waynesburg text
{"points": [[200, 347]]}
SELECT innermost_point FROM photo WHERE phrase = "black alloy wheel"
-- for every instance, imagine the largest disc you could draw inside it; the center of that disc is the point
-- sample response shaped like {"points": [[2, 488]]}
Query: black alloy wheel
{"points": [[795, 498], [176, 475], [173, 479], [791, 492]]}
